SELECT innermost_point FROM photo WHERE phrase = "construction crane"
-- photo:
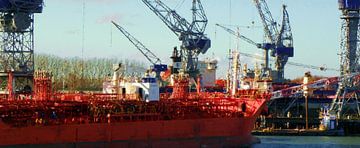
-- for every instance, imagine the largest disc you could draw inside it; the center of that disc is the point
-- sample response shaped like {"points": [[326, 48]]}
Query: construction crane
{"points": [[191, 34], [282, 42], [150, 56], [265, 46]]}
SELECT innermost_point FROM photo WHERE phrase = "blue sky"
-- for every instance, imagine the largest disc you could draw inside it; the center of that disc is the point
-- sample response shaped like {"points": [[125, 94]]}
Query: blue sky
{"points": [[58, 30]]}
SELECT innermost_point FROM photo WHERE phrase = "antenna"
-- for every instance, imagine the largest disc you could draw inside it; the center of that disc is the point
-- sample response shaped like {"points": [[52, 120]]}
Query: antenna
{"points": [[111, 35], [83, 43], [83, 31], [237, 39], [230, 21]]}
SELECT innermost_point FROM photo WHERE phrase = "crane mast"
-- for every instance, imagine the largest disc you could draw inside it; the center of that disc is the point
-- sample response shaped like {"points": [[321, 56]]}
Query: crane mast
{"points": [[191, 34], [285, 36], [284, 45]]}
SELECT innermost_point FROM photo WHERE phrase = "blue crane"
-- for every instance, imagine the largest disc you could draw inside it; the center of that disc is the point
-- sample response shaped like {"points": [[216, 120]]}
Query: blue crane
{"points": [[191, 34], [281, 41], [150, 56]]}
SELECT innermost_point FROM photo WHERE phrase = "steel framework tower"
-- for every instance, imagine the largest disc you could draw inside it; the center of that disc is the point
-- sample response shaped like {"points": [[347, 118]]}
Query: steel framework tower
{"points": [[347, 96], [17, 41]]}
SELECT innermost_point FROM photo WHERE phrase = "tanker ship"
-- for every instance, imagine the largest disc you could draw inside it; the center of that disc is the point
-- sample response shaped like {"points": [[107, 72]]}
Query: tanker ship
{"points": [[136, 115], [130, 112]]}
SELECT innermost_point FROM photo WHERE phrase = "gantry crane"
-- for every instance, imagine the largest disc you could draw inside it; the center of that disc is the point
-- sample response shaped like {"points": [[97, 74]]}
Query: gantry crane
{"points": [[191, 34], [282, 42], [150, 56]]}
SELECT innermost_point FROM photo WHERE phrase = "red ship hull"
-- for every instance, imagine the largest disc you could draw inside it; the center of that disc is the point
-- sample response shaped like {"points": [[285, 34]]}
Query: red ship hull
{"points": [[217, 132]]}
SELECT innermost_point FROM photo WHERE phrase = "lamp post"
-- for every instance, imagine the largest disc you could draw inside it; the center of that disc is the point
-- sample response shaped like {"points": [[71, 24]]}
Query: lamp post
{"points": [[306, 95]]}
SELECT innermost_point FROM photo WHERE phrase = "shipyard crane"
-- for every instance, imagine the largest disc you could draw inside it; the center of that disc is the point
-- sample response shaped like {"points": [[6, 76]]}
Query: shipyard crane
{"points": [[282, 42], [191, 34], [150, 56]]}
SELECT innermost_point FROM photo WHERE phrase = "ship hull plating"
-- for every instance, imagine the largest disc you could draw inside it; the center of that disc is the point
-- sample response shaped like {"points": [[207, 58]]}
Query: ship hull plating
{"points": [[214, 132]]}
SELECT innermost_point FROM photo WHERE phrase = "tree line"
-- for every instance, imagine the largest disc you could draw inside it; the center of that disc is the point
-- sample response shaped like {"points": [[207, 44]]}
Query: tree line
{"points": [[77, 74]]}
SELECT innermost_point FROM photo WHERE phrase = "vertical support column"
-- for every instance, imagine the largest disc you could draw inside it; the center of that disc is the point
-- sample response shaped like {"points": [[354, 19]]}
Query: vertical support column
{"points": [[306, 112], [266, 55], [10, 86], [198, 86], [306, 95], [236, 67], [350, 41]]}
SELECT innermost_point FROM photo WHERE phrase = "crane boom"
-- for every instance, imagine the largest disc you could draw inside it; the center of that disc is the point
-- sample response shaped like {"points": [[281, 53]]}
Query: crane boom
{"points": [[171, 19], [238, 35], [150, 56], [284, 45], [321, 68], [270, 27]]}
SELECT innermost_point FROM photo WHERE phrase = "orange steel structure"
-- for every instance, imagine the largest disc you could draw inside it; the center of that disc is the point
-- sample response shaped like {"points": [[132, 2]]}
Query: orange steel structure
{"points": [[42, 85], [180, 88], [10, 86]]}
